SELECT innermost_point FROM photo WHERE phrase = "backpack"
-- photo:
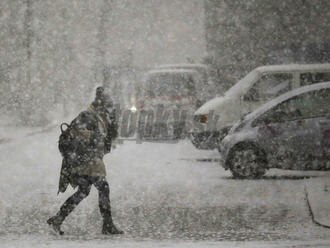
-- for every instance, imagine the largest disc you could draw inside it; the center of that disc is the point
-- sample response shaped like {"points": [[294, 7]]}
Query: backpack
{"points": [[66, 148], [65, 142]]}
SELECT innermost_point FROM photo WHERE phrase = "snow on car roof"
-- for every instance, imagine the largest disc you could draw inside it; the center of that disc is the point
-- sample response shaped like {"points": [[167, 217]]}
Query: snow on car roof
{"points": [[293, 67], [173, 71], [243, 84], [246, 81], [181, 65], [286, 96], [158, 72]]}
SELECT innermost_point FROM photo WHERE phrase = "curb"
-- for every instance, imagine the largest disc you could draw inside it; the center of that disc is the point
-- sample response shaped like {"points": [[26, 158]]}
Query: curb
{"points": [[318, 202]]}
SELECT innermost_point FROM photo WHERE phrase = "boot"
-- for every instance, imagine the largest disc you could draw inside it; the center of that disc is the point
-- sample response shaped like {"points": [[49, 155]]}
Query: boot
{"points": [[110, 228], [55, 222]]}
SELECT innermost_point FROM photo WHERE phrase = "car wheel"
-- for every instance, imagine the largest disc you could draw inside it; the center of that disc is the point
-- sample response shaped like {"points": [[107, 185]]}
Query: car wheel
{"points": [[247, 161], [197, 140]]}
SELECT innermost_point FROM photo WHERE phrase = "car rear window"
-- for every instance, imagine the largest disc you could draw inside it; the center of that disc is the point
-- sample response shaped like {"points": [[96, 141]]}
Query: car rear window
{"points": [[170, 85]]}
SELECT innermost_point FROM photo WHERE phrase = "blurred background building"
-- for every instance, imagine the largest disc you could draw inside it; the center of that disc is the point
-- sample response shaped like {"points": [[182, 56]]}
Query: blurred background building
{"points": [[244, 34], [54, 53]]}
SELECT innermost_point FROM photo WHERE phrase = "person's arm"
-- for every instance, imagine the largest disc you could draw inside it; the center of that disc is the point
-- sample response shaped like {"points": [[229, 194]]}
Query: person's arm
{"points": [[112, 130]]}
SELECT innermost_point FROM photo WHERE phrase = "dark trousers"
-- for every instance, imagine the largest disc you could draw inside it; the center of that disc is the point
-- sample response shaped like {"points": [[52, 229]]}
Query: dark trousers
{"points": [[84, 186]]}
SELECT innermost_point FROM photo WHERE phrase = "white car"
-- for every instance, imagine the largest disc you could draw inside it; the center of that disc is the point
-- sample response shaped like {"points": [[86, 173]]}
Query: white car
{"points": [[256, 88], [290, 132]]}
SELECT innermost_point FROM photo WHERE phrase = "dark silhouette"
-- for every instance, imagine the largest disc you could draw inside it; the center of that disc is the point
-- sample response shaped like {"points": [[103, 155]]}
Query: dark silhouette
{"points": [[83, 144]]}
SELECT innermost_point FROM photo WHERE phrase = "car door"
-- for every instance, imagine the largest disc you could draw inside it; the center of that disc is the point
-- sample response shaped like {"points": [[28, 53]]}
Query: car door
{"points": [[288, 133], [324, 149], [315, 109], [312, 126], [322, 114]]}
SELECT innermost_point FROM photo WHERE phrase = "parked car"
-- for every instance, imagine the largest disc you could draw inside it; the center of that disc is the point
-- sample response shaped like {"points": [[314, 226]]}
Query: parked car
{"points": [[256, 88], [290, 132]]}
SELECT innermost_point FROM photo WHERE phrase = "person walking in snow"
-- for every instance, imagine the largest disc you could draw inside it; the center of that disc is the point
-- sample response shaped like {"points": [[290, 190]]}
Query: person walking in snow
{"points": [[93, 132]]}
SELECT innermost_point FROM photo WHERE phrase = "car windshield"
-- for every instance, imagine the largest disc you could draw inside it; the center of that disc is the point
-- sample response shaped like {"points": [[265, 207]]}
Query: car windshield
{"points": [[242, 84], [170, 85]]}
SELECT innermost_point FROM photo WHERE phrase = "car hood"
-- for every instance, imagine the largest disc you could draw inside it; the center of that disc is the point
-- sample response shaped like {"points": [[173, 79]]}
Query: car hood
{"points": [[219, 105], [231, 96], [226, 109]]}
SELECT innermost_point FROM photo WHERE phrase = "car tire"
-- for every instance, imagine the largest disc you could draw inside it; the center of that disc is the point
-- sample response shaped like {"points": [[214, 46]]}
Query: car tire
{"points": [[247, 161], [196, 140]]}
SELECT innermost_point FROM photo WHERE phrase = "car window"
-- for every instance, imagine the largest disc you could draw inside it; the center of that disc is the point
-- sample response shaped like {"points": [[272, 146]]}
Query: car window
{"points": [[307, 105], [313, 104], [270, 86], [313, 78], [171, 85]]}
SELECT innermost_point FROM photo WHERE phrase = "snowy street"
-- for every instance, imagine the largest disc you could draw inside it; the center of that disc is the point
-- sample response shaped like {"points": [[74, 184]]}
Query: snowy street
{"points": [[160, 194], [182, 123]]}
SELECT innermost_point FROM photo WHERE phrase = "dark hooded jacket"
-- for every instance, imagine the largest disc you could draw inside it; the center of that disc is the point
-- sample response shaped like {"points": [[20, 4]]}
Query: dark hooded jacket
{"points": [[94, 130]]}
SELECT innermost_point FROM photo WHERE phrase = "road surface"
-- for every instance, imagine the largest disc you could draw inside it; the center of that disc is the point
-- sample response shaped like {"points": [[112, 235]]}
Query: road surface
{"points": [[159, 193]]}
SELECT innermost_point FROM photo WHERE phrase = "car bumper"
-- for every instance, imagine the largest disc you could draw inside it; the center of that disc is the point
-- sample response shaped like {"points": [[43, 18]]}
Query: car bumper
{"points": [[204, 140], [223, 155], [208, 140]]}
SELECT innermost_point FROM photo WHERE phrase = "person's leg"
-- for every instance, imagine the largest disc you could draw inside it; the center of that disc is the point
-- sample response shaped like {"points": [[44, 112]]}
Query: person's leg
{"points": [[102, 186], [104, 203], [84, 187]]}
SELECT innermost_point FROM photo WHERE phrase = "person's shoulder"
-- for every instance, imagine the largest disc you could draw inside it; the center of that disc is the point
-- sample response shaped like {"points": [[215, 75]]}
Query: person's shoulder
{"points": [[84, 116], [86, 113]]}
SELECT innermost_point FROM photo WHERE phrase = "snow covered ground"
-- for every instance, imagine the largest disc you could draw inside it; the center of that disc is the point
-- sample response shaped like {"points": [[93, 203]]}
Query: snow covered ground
{"points": [[30, 241], [168, 195]]}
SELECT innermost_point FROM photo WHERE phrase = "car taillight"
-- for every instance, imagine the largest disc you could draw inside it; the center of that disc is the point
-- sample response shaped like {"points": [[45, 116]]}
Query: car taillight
{"points": [[203, 119]]}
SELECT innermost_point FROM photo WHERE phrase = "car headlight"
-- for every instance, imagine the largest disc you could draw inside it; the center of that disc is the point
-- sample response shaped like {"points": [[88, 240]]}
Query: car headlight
{"points": [[133, 109]]}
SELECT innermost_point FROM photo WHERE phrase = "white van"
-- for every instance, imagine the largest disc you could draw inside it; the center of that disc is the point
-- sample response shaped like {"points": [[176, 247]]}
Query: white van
{"points": [[206, 89], [175, 89], [256, 88]]}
